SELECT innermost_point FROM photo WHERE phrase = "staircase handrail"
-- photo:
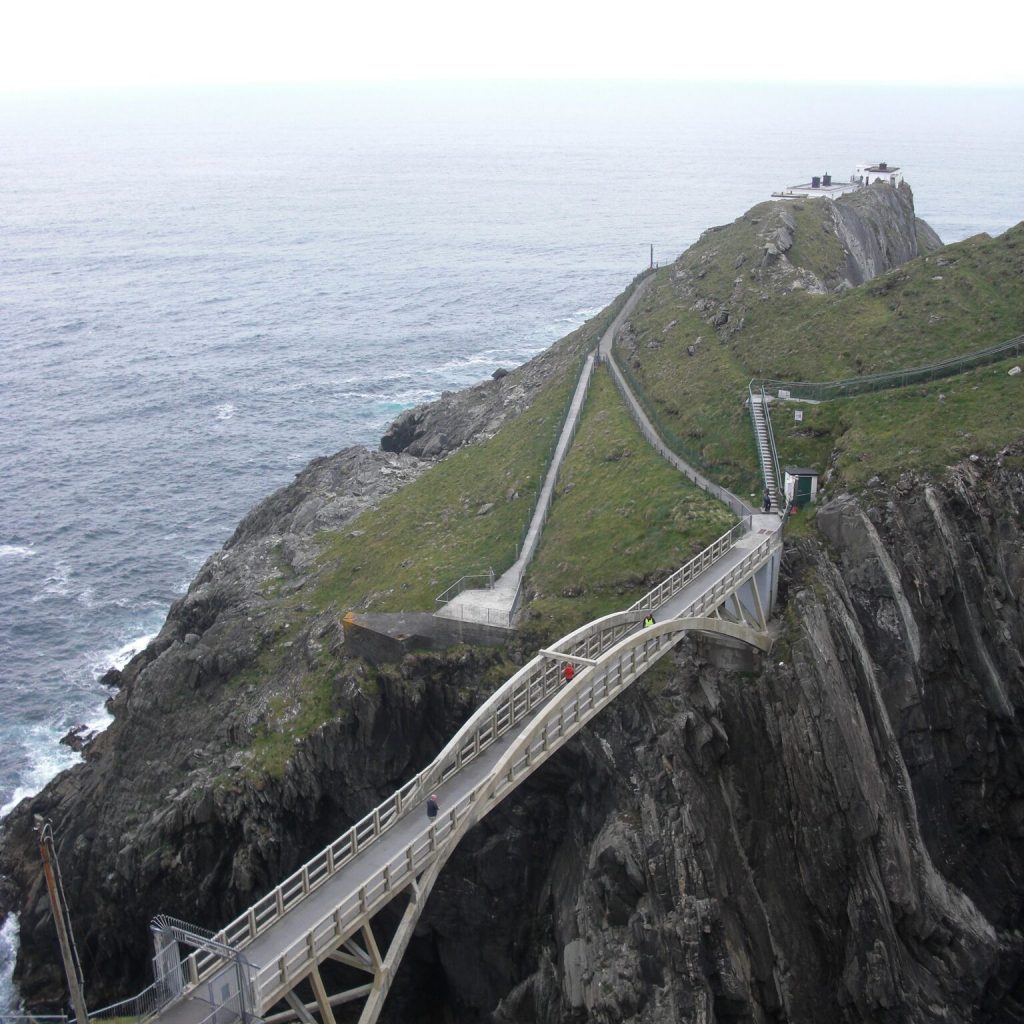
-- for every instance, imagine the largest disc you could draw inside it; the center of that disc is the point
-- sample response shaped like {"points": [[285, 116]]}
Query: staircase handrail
{"points": [[769, 433]]}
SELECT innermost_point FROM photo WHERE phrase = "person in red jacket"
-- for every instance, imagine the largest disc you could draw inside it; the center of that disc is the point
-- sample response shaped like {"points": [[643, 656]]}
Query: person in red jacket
{"points": [[569, 671]]}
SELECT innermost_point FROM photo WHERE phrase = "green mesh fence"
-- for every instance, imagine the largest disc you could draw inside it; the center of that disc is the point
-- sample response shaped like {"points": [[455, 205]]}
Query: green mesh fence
{"points": [[823, 392]]}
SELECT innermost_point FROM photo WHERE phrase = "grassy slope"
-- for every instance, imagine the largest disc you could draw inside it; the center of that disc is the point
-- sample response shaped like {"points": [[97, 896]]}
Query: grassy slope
{"points": [[959, 299], [622, 517], [401, 555]]}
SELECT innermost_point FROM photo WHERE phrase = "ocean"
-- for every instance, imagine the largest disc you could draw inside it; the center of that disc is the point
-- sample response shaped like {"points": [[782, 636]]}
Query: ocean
{"points": [[200, 291]]}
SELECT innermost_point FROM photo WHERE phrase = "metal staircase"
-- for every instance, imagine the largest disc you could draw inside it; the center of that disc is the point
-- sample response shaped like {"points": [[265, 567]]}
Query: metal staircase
{"points": [[766, 452]]}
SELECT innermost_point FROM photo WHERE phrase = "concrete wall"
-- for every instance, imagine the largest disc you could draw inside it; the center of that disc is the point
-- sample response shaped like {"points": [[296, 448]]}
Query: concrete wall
{"points": [[389, 637]]}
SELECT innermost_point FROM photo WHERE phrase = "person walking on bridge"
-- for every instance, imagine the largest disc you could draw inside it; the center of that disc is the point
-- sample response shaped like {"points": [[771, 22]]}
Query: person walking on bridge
{"points": [[432, 806], [569, 671], [649, 620], [766, 502]]}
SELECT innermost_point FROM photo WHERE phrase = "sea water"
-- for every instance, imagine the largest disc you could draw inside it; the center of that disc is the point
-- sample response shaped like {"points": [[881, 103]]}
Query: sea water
{"points": [[201, 291]]}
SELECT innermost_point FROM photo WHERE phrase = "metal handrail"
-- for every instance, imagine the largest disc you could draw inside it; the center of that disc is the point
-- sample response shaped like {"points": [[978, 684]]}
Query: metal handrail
{"points": [[666, 442], [147, 1002], [505, 708], [583, 697], [464, 583]]}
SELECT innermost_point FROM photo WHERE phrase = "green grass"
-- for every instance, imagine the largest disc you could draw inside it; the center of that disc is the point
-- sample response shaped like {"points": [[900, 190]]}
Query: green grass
{"points": [[622, 518], [928, 427], [417, 542], [698, 398], [958, 299], [905, 318], [290, 718]]}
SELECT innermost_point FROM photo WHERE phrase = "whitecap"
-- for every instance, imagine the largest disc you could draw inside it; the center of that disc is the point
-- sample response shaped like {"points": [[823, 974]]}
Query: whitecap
{"points": [[57, 584], [117, 657], [125, 653], [8, 951], [16, 551], [225, 411], [48, 758]]}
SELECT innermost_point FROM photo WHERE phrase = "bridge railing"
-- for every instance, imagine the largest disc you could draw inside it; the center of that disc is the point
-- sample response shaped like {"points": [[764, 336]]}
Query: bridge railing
{"points": [[584, 697], [686, 574], [516, 699]]}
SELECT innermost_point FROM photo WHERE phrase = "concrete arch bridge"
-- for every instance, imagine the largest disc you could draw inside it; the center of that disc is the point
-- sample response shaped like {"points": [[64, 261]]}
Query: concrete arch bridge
{"points": [[268, 963]]}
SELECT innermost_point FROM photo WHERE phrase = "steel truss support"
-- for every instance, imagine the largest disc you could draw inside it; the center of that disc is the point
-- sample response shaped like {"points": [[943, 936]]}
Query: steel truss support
{"points": [[366, 958]]}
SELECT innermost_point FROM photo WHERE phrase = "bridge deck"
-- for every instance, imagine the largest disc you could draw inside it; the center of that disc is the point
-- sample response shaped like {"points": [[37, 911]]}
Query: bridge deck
{"points": [[265, 948]]}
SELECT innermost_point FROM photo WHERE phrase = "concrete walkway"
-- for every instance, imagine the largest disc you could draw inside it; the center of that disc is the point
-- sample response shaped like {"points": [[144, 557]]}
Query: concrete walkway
{"points": [[497, 605], [737, 504]]}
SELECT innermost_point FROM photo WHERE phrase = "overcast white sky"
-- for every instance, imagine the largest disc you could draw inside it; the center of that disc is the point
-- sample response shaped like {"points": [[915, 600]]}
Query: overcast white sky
{"points": [[59, 44]]}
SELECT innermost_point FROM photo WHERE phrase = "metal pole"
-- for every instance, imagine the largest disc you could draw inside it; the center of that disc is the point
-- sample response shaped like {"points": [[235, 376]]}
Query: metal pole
{"points": [[71, 967]]}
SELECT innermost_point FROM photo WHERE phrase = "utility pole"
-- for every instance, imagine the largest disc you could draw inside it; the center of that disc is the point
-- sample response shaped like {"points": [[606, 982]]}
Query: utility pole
{"points": [[652, 256], [72, 968]]}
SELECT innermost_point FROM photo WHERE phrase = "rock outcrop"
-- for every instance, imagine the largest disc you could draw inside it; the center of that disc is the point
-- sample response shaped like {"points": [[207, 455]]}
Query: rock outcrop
{"points": [[814, 245]]}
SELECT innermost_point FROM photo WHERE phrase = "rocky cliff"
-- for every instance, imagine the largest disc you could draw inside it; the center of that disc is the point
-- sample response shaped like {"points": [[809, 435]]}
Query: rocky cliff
{"points": [[835, 834]]}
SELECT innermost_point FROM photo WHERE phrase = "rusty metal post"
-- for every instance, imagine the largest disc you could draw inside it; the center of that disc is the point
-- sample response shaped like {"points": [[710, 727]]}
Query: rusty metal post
{"points": [[51, 869]]}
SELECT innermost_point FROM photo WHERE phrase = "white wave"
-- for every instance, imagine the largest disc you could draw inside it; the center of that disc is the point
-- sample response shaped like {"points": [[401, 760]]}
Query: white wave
{"points": [[16, 551], [57, 584], [48, 758], [125, 653], [9, 1002], [225, 411]]}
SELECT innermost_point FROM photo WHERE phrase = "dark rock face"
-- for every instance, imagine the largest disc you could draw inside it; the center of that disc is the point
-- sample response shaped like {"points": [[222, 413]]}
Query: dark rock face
{"points": [[836, 836], [839, 837], [879, 231]]}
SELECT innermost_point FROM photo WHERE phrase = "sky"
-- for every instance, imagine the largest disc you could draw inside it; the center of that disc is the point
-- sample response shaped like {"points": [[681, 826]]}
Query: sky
{"points": [[78, 44]]}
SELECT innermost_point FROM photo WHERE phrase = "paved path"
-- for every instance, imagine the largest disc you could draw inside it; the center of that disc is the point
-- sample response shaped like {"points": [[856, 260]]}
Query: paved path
{"points": [[737, 504], [497, 604]]}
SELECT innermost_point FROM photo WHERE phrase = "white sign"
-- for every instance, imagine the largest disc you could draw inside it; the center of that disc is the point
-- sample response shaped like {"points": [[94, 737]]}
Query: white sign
{"points": [[798, 415], [783, 393]]}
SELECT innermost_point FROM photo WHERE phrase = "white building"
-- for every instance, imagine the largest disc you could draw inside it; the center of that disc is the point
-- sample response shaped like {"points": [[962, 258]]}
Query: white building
{"points": [[819, 187], [823, 187], [868, 174]]}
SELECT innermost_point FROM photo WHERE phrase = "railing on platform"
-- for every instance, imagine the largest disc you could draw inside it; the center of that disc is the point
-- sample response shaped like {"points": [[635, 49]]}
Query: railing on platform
{"points": [[140, 1006], [479, 581]]}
